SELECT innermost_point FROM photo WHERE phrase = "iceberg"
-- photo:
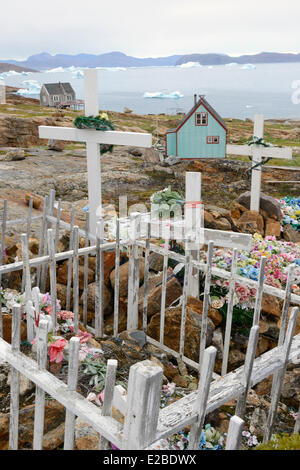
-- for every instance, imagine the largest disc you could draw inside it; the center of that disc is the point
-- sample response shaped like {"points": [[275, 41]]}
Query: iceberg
{"points": [[9, 73], [188, 65], [248, 67], [231, 64], [33, 88], [77, 74], [175, 95], [56, 70]]}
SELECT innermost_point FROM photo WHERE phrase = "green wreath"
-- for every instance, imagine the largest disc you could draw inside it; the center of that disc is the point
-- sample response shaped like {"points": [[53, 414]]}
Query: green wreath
{"points": [[100, 123]]}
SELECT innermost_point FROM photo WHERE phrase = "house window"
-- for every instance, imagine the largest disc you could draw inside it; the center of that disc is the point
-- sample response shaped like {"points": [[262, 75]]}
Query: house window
{"points": [[201, 119], [69, 98], [55, 98], [213, 139]]}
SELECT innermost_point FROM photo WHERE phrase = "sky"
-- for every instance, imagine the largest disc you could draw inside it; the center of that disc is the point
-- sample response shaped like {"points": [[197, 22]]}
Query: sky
{"points": [[152, 28]]}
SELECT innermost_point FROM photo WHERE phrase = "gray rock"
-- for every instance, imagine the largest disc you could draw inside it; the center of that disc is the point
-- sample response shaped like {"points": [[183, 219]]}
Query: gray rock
{"points": [[267, 203], [172, 160], [14, 155]]}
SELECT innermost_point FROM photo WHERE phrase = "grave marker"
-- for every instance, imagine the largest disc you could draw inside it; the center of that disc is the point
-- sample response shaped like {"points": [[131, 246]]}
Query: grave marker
{"points": [[257, 151]]}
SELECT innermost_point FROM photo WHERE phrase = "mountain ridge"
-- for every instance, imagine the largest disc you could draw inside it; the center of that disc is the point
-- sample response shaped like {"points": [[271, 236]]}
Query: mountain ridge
{"points": [[44, 60]]}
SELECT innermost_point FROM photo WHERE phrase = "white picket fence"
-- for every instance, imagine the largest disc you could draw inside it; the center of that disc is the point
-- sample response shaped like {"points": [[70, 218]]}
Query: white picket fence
{"points": [[145, 423]]}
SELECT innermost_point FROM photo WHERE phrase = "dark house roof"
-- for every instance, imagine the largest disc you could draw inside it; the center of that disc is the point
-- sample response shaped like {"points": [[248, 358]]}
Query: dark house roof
{"points": [[209, 108], [58, 88]]}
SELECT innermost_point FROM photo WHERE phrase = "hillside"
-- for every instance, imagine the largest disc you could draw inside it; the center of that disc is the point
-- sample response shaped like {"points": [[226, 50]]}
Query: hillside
{"points": [[6, 67]]}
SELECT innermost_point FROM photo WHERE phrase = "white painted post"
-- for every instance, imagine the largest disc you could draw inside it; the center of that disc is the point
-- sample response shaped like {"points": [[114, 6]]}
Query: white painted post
{"points": [[143, 402], [110, 380], [134, 273], [248, 366], [14, 385], [39, 411], [257, 158], [234, 434], [93, 139], [257, 152], [276, 389], [200, 404], [193, 219], [92, 148], [72, 384]]}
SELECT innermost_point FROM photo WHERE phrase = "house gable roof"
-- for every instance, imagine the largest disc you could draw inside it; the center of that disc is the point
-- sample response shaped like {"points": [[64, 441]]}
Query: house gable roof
{"points": [[58, 88], [210, 109]]}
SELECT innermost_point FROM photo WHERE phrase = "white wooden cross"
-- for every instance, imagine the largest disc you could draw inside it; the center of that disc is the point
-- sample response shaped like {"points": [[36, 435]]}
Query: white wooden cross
{"points": [[257, 152], [93, 139]]}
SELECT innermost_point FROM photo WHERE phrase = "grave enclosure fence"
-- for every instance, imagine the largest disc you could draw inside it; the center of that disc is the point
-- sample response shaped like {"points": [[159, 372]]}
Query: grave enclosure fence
{"points": [[145, 422]]}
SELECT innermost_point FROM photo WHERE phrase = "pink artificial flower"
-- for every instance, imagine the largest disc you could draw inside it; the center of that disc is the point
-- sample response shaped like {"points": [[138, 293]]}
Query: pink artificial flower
{"points": [[243, 293], [56, 350], [65, 315], [84, 336]]}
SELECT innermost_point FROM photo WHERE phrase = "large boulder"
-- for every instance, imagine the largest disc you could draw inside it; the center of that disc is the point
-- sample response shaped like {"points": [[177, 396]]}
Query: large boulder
{"points": [[173, 292], [267, 204], [172, 331], [251, 222], [123, 277], [91, 297]]}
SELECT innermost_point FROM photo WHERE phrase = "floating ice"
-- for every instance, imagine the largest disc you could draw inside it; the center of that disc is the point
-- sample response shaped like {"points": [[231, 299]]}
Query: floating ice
{"points": [[175, 95], [33, 88], [9, 73], [77, 74], [248, 67], [188, 65], [57, 70], [231, 64]]}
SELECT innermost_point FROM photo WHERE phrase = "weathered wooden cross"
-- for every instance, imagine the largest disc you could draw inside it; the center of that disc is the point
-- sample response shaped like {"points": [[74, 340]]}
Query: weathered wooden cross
{"points": [[93, 139], [257, 152]]}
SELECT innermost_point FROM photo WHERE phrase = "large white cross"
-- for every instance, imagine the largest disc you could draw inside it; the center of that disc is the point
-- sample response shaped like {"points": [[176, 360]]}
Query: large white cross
{"points": [[257, 152], [93, 139]]}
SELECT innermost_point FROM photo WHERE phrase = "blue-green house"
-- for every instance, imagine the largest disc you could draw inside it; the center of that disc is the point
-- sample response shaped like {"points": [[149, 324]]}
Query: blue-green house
{"points": [[200, 134]]}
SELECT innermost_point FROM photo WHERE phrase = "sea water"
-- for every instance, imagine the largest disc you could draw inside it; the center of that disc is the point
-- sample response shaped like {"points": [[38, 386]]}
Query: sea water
{"points": [[238, 91]]}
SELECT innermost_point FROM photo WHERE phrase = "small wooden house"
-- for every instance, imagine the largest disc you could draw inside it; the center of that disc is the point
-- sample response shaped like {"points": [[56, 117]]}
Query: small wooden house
{"points": [[200, 134], [55, 94]]}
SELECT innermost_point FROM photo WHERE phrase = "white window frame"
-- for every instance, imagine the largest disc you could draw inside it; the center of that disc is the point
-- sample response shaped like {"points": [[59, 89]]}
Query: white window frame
{"points": [[201, 119]]}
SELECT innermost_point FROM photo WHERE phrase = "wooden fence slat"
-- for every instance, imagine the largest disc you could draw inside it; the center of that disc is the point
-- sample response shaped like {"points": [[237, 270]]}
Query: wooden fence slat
{"points": [[200, 404], [206, 300], [184, 300], [117, 280], [234, 434], [133, 278], [142, 407], [110, 380], [280, 376], [42, 240], [39, 409], [14, 386], [86, 265], [229, 313], [99, 278], [72, 384], [75, 279], [27, 237], [259, 291], [2, 251], [69, 280], [164, 284], [53, 288], [57, 225], [297, 422], [249, 360], [284, 315], [146, 278]]}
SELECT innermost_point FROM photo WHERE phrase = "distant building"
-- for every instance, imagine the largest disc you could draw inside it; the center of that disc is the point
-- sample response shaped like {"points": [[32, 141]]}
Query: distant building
{"points": [[200, 134], [57, 94]]}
